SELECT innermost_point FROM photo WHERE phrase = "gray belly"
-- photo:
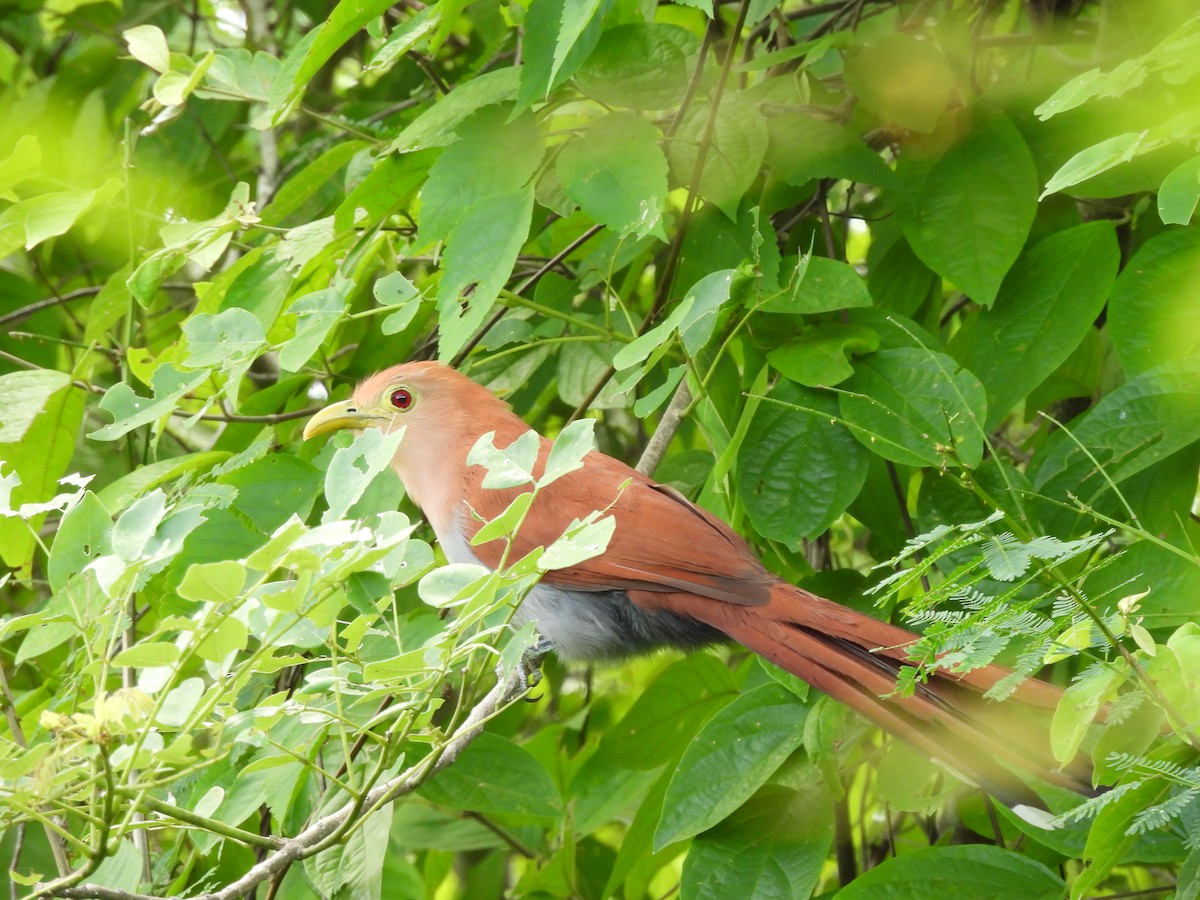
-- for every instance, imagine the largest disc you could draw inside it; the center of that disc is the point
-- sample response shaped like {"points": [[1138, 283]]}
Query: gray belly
{"points": [[594, 625]]}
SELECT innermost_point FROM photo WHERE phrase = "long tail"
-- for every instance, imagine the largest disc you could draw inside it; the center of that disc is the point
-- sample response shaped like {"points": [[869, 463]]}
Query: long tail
{"points": [[855, 659]]}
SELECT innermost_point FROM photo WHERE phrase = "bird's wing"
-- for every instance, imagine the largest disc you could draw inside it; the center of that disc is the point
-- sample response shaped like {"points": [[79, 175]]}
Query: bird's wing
{"points": [[662, 541]]}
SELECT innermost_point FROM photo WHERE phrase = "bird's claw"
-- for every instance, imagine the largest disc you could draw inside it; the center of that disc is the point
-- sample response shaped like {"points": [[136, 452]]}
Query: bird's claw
{"points": [[530, 666]]}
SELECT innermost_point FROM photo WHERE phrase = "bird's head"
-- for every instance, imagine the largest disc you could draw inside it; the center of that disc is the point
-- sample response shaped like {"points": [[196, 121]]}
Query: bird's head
{"points": [[411, 394], [442, 413]]}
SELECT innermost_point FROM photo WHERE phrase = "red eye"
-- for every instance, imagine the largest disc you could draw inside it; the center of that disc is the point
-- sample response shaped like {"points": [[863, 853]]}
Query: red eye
{"points": [[402, 398]]}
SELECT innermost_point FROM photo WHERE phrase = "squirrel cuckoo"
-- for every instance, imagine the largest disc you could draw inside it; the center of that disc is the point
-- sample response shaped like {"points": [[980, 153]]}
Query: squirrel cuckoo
{"points": [[675, 575]]}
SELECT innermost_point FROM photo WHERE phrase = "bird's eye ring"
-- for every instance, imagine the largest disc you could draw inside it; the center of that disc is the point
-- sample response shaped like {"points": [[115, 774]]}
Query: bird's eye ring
{"points": [[401, 398]]}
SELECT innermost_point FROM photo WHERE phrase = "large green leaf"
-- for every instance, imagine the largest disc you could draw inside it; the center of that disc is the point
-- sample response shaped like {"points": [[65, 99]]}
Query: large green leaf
{"points": [[39, 458], [617, 173], [967, 871], [739, 143], [967, 211], [1045, 307], [1153, 314], [683, 696], [730, 758], [494, 775], [825, 285], [467, 174], [540, 72], [1138, 424], [804, 147], [916, 407], [480, 254], [641, 66], [798, 469], [435, 126], [774, 846]]}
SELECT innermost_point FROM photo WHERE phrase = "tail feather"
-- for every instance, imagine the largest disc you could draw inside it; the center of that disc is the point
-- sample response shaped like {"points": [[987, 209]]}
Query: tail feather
{"points": [[855, 659]]}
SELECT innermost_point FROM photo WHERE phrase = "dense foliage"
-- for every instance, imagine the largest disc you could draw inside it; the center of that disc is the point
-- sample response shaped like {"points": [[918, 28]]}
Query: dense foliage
{"points": [[905, 291]]}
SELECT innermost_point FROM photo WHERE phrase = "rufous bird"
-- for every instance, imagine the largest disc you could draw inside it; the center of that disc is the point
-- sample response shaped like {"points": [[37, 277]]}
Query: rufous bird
{"points": [[674, 575]]}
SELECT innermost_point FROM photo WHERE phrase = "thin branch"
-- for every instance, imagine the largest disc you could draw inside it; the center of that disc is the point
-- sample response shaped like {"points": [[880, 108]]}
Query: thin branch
{"points": [[25, 311], [656, 447]]}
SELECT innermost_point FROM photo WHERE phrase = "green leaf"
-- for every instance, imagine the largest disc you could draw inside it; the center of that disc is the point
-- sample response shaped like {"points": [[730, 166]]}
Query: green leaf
{"points": [[577, 15], [729, 759], [353, 469], [617, 173], [129, 410], [225, 340], [902, 80], [23, 395], [543, 23], [507, 467], [1042, 313], [448, 585], [739, 143], [582, 541], [638, 66], [300, 188], [1145, 420], [83, 536], [480, 254], [1179, 193], [804, 147], [826, 285], [272, 489], [22, 164], [821, 356], [39, 459], [683, 696], [1093, 83], [316, 314], [1109, 838], [148, 46], [229, 636], [147, 655], [495, 776], [798, 468], [308, 56], [435, 126], [1100, 158], [573, 443], [127, 488], [404, 37], [965, 871], [987, 179], [1153, 314], [507, 523], [394, 289], [216, 582], [900, 282], [917, 408], [392, 184], [466, 174], [774, 846], [30, 222], [1176, 671], [1078, 708]]}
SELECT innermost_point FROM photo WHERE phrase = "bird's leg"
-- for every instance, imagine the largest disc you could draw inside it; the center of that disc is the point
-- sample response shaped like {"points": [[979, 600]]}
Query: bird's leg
{"points": [[530, 665]]}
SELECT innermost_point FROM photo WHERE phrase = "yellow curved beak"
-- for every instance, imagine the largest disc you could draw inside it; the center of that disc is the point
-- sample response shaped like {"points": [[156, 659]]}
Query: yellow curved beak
{"points": [[337, 417]]}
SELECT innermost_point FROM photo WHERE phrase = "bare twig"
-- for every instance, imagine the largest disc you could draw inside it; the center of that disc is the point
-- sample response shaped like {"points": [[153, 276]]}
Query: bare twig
{"points": [[656, 448]]}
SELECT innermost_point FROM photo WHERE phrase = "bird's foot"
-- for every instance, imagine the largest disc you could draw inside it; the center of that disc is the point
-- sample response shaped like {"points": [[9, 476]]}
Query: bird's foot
{"points": [[530, 666]]}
